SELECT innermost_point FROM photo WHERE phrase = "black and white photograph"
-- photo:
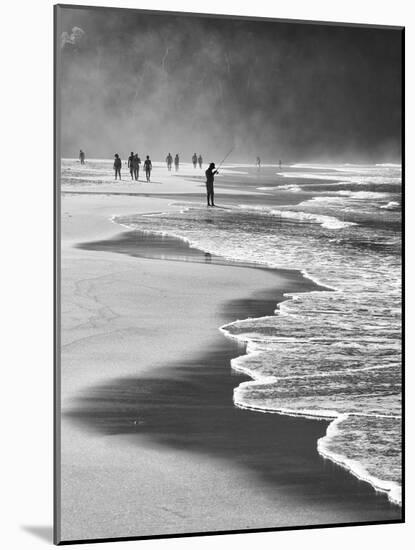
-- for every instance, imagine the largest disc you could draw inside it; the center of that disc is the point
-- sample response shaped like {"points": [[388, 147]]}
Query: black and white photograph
{"points": [[228, 264]]}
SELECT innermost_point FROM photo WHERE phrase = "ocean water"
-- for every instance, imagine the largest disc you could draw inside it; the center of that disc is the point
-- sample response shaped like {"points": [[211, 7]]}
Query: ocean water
{"points": [[334, 353]]}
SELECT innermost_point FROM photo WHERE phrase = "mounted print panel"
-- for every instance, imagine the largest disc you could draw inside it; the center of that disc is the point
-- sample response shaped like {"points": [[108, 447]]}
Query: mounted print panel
{"points": [[228, 274]]}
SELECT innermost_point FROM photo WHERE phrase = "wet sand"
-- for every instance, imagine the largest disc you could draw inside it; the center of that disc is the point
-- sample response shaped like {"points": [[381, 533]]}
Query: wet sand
{"points": [[161, 448]]}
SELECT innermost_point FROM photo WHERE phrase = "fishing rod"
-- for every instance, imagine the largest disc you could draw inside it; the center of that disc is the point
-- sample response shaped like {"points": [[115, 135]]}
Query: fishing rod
{"points": [[227, 155]]}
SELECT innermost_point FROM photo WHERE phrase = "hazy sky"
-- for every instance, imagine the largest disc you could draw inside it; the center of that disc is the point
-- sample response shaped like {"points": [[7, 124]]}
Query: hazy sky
{"points": [[154, 83]]}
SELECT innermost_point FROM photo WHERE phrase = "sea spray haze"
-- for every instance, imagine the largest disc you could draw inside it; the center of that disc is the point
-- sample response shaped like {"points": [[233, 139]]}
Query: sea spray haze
{"points": [[160, 82]]}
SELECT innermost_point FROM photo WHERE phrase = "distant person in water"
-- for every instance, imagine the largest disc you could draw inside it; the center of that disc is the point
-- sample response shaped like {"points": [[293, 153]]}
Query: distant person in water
{"points": [[136, 166], [280, 164], [131, 164], [117, 165], [194, 160], [176, 161], [258, 163], [147, 167], [82, 156], [200, 161], [210, 176], [169, 161]]}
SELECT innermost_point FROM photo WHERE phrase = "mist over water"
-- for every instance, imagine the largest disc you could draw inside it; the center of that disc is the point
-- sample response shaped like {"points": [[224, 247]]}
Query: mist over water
{"points": [[158, 82]]}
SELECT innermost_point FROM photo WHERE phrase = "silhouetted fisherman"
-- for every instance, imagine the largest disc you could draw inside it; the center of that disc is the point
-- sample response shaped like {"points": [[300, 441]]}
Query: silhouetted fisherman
{"points": [[117, 165], [194, 160], [136, 166], [210, 176], [176, 161], [82, 156], [169, 160], [131, 164], [200, 160], [147, 167]]}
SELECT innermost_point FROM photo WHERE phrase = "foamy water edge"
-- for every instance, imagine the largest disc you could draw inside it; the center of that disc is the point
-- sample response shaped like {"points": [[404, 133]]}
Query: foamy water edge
{"points": [[392, 489]]}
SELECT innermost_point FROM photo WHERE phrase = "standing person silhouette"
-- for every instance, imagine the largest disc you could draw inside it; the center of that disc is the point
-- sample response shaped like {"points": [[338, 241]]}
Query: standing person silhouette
{"points": [[194, 160], [210, 176], [176, 162], [82, 156], [136, 165], [280, 164], [258, 163], [169, 161], [200, 161], [117, 165], [131, 164], [147, 167]]}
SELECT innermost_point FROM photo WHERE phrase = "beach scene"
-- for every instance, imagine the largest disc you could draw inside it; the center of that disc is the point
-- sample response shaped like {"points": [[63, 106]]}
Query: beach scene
{"points": [[229, 275]]}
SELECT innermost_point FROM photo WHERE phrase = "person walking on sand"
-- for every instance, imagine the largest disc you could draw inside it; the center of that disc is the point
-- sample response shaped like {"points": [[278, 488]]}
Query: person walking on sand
{"points": [[131, 164], [194, 160], [176, 162], [82, 156], [210, 176], [136, 166], [200, 160], [169, 161], [147, 167], [117, 165]]}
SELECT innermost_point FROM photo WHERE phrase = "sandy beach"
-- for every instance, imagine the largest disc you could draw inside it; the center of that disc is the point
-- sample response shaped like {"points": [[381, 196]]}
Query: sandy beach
{"points": [[151, 442]]}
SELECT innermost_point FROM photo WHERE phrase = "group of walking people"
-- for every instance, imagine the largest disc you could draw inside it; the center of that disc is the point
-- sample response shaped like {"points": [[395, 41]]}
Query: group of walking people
{"points": [[197, 159], [169, 161], [134, 163]]}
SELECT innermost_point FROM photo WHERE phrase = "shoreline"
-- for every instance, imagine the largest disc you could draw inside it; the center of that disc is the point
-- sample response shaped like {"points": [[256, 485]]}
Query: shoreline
{"points": [[189, 252], [99, 406], [392, 489], [115, 292]]}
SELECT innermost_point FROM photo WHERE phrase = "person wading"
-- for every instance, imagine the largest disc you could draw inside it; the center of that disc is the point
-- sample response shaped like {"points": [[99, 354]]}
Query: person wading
{"points": [[210, 176], [117, 165], [147, 167], [200, 161], [82, 156], [131, 164], [169, 161], [194, 160], [176, 162], [136, 166]]}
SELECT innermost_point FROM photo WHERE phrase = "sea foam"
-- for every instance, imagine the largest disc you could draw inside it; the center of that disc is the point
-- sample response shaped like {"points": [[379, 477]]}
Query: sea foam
{"points": [[333, 353]]}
